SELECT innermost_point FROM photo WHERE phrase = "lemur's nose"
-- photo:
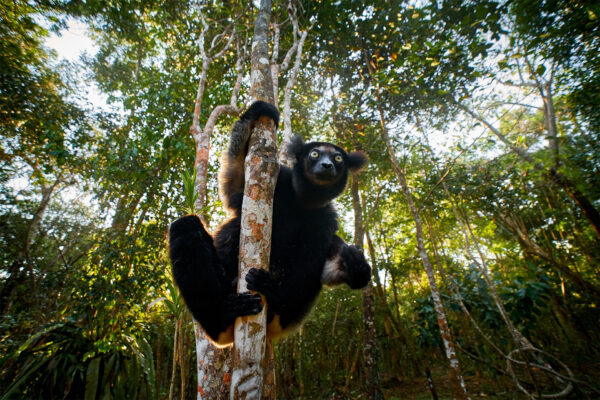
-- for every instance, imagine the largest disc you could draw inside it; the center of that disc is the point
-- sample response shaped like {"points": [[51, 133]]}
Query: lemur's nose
{"points": [[326, 165]]}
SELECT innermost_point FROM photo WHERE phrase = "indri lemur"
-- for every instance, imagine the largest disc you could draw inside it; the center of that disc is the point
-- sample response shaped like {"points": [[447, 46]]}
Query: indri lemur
{"points": [[305, 250]]}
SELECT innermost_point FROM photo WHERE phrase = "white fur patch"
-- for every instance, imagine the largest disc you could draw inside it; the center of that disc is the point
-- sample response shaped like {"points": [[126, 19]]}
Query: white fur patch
{"points": [[333, 274]]}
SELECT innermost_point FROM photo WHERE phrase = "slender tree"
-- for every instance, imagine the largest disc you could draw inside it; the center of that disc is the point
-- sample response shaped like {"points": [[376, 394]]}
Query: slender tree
{"points": [[261, 168], [370, 355], [459, 383]]}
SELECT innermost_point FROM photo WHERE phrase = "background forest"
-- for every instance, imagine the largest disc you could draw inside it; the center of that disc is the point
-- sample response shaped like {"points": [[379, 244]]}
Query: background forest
{"points": [[478, 210]]}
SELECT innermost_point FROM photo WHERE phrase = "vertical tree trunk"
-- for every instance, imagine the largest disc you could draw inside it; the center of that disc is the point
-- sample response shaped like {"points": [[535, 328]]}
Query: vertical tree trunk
{"points": [[22, 260], [460, 390], [370, 355], [261, 169], [287, 98], [183, 343], [174, 364]]}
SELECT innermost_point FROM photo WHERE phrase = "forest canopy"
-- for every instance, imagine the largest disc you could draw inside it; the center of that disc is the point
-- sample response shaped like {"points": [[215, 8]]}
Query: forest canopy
{"points": [[478, 211]]}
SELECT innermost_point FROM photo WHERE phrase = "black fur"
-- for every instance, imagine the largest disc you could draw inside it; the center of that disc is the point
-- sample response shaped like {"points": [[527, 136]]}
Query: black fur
{"points": [[305, 250]]}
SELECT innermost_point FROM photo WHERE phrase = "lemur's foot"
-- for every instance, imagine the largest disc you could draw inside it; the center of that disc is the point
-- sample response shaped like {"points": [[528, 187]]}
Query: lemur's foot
{"points": [[243, 127], [259, 109], [262, 281], [240, 305]]}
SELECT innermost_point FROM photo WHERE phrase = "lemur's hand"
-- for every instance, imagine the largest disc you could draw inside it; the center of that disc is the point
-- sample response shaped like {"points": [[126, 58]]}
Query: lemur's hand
{"points": [[358, 271]]}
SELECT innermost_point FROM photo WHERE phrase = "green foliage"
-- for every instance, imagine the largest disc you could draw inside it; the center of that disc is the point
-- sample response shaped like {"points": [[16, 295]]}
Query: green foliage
{"points": [[63, 361], [87, 304], [190, 195]]}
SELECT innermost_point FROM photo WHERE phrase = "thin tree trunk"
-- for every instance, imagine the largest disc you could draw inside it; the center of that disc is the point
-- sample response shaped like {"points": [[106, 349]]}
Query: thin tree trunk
{"points": [[182, 356], [286, 158], [460, 390], [36, 221], [261, 168], [457, 293], [370, 356], [174, 364], [388, 318], [481, 264], [22, 260]]}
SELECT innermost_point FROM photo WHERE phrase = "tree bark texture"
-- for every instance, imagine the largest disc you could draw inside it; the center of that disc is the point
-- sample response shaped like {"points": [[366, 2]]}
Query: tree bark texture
{"points": [[255, 245], [261, 169]]}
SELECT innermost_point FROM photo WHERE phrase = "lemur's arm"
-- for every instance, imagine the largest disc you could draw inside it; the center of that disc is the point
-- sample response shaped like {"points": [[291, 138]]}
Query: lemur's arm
{"points": [[231, 177], [345, 264]]}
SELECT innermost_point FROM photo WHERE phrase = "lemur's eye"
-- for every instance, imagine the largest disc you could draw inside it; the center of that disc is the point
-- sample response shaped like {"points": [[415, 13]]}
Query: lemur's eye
{"points": [[314, 154], [338, 158]]}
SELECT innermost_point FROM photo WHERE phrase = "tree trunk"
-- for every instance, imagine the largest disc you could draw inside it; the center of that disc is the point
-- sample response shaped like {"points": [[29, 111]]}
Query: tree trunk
{"points": [[261, 169], [175, 354], [183, 356], [22, 263], [460, 390], [370, 356]]}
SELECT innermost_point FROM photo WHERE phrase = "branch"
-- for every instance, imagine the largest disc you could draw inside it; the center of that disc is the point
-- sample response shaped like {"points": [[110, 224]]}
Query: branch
{"points": [[287, 99], [224, 49], [515, 103], [292, 50], [239, 66], [207, 59], [523, 154]]}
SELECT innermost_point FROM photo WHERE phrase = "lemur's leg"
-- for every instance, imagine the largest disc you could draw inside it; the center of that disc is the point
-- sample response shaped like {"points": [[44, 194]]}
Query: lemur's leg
{"points": [[231, 176], [208, 294], [345, 264]]}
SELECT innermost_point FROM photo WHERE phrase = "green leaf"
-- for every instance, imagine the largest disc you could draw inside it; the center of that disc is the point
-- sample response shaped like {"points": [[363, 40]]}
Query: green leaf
{"points": [[91, 379], [540, 70], [22, 377]]}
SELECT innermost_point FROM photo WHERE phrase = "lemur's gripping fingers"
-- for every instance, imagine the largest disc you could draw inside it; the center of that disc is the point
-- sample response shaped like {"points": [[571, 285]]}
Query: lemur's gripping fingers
{"points": [[239, 305], [358, 271], [262, 281]]}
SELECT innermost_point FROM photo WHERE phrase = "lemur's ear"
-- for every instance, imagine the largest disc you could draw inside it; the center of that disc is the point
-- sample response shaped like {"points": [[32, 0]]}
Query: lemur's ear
{"points": [[295, 146], [356, 160]]}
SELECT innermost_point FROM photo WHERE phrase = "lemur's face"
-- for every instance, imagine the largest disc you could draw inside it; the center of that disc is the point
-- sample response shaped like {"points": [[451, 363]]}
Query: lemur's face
{"points": [[324, 164]]}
